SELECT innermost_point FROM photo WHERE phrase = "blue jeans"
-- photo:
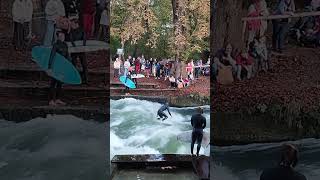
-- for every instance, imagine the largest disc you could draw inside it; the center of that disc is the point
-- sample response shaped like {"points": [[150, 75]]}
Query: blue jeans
{"points": [[279, 33], [50, 36], [125, 72]]}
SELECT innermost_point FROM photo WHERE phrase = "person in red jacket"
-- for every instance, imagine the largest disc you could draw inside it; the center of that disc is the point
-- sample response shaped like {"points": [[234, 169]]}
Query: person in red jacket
{"points": [[137, 65], [88, 10], [244, 62]]}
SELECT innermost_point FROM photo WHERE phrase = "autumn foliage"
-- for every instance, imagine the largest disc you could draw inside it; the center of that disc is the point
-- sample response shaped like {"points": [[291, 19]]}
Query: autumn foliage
{"points": [[185, 24]]}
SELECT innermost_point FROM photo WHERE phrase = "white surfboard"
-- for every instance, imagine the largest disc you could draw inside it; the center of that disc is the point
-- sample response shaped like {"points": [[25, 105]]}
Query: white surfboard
{"points": [[186, 137], [91, 46], [136, 76]]}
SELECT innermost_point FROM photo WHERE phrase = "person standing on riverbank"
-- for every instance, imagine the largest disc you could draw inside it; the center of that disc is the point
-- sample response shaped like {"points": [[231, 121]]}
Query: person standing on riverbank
{"points": [[285, 169], [54, 12], [77, 34], [22, 11], [280, 26], [198, 123], [116, 66]]}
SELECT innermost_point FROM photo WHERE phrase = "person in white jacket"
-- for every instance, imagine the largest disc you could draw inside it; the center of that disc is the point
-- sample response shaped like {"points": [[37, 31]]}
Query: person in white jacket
{"points": [[54, 10], [22, 11]]}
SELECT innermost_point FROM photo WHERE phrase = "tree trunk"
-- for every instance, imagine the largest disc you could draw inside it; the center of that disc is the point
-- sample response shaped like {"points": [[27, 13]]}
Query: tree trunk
{"points": [[226, 24], [175, 21]]}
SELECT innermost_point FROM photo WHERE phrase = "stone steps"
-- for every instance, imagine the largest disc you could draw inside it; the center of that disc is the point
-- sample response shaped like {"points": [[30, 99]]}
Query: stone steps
{"points": [[29, 73], [39, 90]]}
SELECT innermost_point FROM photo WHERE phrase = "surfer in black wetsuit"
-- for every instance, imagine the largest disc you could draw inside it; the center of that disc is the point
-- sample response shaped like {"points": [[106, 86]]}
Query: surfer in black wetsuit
{"points": [[198, 123], [161, 113], [60, 47], [77, 34], [289, 159]]}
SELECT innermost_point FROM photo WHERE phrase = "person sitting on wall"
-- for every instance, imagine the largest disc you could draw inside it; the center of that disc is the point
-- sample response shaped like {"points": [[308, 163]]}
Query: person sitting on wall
{"points": [[244, 62], [224, 57], [172, 81]]}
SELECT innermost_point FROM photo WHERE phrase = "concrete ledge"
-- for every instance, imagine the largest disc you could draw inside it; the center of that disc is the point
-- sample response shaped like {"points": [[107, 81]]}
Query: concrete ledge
{"points": [[153, 160], [179, 102], [21, 114]]}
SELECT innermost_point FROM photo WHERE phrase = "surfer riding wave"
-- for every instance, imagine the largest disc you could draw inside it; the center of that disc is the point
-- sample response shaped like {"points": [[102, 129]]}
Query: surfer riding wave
{"points": [[161, 114]]}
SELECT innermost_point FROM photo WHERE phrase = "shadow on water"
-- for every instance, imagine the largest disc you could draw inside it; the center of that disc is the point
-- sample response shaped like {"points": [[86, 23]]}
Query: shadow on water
{"points": [[247, 162]]}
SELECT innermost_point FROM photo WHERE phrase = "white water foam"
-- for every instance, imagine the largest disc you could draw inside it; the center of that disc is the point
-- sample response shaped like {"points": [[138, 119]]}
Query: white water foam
{"points": [[57, 147], [136, 130]]}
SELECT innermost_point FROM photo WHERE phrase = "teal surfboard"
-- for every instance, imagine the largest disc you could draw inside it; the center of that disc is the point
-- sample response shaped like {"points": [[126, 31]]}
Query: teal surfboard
{"points": [[62, 69], [130, 84]]}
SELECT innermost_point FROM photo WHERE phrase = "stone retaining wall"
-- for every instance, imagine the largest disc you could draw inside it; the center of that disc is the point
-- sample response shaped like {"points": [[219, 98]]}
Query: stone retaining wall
{"points": [[271, 123]]}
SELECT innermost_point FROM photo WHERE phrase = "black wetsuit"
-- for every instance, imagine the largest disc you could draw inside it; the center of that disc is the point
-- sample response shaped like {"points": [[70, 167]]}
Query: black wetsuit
{"points": [[198, 123], [55, 85], [161, 113], [281, 173]]}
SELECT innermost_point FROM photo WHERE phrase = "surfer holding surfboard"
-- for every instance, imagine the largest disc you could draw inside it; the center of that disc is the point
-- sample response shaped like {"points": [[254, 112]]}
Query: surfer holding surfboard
{"points": [[198, 122], [55, 86]]}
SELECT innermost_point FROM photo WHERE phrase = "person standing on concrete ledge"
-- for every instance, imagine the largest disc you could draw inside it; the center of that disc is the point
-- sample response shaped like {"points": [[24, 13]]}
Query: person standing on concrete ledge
{"points": [[285, 170], [198, 122]]}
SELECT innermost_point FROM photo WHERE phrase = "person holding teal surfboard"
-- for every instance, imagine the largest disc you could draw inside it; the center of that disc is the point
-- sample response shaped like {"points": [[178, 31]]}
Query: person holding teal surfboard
{"points": [[60, 47]]}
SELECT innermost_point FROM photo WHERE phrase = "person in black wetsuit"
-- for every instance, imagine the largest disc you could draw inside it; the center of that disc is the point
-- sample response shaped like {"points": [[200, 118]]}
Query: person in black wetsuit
{"points": [[285, 171], [198, 123], [60, 47], [77, 34], [161, 113]]}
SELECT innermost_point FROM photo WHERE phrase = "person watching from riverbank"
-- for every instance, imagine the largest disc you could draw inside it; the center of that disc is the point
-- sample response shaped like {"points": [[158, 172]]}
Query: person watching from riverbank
{"points": [[280, 26], [60, 47], [285, 169], [224, 58], [126, 67], [22, 11], [244, 62], [198, 122], [77, 34], [54, 11], [172, 80], [161, 113], [148, 68], [116, 66]]}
